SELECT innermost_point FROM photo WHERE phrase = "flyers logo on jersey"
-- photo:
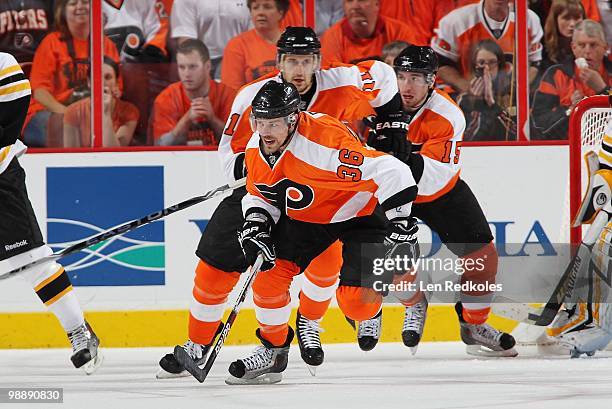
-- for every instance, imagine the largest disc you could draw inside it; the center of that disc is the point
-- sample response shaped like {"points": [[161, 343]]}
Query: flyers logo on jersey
{"points": [[287, 194], [444, 45]]}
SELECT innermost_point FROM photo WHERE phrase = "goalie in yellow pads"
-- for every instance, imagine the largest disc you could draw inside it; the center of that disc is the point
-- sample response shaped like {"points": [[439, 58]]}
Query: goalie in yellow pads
{"points": [[584, 325]]}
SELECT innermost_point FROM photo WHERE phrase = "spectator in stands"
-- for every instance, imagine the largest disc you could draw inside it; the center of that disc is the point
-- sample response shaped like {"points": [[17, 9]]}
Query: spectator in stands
{"points": [[605, 10], [60, 70], [486, 103], [460, 29], [558, 30], [119, 118], [252, 54], [193, 110], [362, 33], [294, 16], [591, 9], [392, 50], [421, 16], [214, 22], [563, 86], [329, 12], [23, 25], [139, 29]]}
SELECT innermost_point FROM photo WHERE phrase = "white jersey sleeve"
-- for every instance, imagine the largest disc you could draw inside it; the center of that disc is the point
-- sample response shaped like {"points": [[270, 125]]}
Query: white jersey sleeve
{"points": [[185, 21], [237, 131], [444, 41], [535, 36]]}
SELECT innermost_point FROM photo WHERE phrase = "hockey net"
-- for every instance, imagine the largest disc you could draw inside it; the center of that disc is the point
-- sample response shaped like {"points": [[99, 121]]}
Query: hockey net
{"points": [[587, 125], [586, 129]]}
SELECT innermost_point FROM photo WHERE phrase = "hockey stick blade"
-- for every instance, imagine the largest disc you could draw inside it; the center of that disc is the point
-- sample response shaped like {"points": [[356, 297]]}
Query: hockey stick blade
{"points": [[189, 364], [183, 357], [129, 226]]}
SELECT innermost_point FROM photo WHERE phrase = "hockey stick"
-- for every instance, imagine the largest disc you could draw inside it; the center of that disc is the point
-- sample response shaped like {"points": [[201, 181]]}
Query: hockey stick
{"points": [[129, 226], [545, 315], [184, 359], [566, 285]]}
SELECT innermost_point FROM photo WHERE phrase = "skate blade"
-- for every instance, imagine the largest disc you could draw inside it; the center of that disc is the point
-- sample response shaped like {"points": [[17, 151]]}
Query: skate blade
{"points": [[312, 370], [162, 374], [93, 365], [481, 351], [265, 379], [413, 350]]}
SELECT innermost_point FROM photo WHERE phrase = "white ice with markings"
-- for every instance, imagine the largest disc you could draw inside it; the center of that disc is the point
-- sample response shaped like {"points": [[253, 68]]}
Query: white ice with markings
{"points": [[440, 376]]}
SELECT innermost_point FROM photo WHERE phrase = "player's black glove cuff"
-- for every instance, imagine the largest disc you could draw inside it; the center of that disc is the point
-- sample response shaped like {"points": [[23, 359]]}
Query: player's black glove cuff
{"points": [[256, 237], [401, 239]]}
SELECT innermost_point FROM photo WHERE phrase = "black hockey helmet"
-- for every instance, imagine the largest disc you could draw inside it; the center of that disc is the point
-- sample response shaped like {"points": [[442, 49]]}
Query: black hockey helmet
{"points": [[276, 100], [298, 40], [416, 58]]}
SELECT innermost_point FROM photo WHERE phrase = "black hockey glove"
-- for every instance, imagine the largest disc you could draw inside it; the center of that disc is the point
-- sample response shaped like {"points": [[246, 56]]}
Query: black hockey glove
{"points": [[255, 237], [401, 238], [389, 133]]}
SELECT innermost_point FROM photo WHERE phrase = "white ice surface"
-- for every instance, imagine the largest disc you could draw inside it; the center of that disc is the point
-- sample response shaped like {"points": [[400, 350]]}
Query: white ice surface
{"points": [[440, 376]]}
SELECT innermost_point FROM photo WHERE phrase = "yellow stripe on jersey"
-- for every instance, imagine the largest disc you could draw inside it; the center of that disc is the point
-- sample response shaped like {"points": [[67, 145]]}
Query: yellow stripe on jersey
{"points": [[605, 156], [607, 139], [4, 152], [14, 88], [10, 70], [14, 92]]}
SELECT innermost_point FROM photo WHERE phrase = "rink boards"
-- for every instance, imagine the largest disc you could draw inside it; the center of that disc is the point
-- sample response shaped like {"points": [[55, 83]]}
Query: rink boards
{"points": [[136, 289]]}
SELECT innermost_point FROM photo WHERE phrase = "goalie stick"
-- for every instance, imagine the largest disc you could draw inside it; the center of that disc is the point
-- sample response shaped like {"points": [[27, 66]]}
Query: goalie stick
{"points": [[129, 226], [188, 363], [545, 315]]}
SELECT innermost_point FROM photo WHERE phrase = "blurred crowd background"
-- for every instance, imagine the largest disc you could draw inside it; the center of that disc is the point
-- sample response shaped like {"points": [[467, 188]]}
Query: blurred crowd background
{"points": [[172, 67]]}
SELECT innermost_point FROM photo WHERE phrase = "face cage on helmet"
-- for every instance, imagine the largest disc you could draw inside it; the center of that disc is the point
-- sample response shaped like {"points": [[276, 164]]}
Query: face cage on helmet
{"points": [[289, 120], [317, 62]]}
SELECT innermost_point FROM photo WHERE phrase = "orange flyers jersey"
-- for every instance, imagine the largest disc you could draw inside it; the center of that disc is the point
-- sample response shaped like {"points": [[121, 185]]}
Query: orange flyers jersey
{"points": [[421, 15], [436, 132], [325, 175], [462, 28], [173, 102], [346, 92], [247, 57], [339, 43], [294, 16]]}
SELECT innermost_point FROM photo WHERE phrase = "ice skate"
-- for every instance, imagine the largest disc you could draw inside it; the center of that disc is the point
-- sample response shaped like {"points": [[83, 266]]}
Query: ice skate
{"points": [[484, 340], [264, 366], [368, 332], [414, 321], [171, 368], [307, 332], [85, 345]]}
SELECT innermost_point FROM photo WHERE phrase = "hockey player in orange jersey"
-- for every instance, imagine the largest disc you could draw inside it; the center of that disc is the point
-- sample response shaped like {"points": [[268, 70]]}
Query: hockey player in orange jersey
{"points": [[311, 169], [347, 92], [445, 202]]}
